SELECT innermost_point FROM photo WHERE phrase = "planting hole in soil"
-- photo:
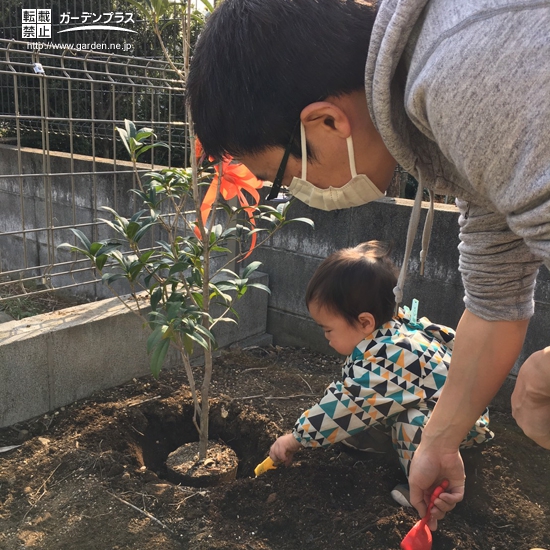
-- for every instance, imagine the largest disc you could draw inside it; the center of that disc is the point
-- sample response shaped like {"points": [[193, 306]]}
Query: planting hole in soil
{"points": [[236, 435]]}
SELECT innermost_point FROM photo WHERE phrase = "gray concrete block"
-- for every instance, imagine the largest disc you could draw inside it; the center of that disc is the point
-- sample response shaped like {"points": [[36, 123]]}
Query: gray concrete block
{"points": [[388, 220], [288, 278], [297, 331], [301, 238], [104, 349], [24, 373]]}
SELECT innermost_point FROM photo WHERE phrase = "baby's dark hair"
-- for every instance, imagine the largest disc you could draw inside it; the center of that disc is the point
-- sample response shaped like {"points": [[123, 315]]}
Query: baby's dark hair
{"points": [[356, 280]]}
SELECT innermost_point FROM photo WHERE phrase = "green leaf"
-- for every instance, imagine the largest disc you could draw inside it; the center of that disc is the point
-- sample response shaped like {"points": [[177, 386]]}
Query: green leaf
{"points": [[134, 271], [188, 344], [107, 247], [154, 338], [225, 286], [144, 148], [156, 297], [82, 238], [100, 261], [229, 272], [208, 5], [166, 247], [130, 128], [220, 249], [144, 133], [138, 236], [199, 298], [124, 138], [109, 278], [140, 7], [178, 267], [137, 215], [157, 357], [229, 232], [260, 286], [242, 291], [207, 334], [226, 320], [303, 220], [73, 248], [131, 230], [144, 258], [119, 228], [251, 267], [160, 7], [199, 339]]}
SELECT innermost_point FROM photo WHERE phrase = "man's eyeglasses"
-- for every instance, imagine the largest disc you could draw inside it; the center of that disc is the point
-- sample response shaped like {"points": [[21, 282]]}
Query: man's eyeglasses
{"points": [[278, 181]]}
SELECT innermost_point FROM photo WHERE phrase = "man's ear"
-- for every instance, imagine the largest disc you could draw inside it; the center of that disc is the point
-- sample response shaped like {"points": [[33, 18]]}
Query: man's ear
{"points": [[367, 322], [323, 118]]}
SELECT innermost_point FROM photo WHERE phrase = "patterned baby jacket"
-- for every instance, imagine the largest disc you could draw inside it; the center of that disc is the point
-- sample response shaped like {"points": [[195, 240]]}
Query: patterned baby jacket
{"points": [[399, 366]]}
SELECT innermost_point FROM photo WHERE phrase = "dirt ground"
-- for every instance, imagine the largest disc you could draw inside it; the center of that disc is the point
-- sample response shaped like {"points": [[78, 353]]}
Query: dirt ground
{"points": [[90, 475]]}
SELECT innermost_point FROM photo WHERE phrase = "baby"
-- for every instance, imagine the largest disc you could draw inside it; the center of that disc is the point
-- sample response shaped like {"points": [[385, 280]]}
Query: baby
{"points": [[394, 370]]}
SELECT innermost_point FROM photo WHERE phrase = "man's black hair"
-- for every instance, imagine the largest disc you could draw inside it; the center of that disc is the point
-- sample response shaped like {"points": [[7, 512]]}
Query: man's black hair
{"points": [[258, 63]]}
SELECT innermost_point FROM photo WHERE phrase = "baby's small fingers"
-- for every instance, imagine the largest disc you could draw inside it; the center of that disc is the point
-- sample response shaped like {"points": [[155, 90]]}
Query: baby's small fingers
{"points": [[288, 459]]}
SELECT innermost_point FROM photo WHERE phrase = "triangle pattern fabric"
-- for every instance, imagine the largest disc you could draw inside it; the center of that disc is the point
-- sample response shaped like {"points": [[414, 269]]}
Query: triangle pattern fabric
{"points": [[388, 381]]}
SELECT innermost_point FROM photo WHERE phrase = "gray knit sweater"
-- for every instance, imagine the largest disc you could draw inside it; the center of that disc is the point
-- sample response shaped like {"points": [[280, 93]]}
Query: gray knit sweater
{"points": [[460, 92]]}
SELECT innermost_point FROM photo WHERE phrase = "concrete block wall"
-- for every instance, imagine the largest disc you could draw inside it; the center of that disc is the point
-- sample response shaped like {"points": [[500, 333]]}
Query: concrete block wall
{"points": [[53, 359], [70, 199], [293, 255]]}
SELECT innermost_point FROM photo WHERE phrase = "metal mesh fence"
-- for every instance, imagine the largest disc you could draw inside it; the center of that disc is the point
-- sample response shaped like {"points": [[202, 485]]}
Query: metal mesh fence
{"points": [[60, 160]]}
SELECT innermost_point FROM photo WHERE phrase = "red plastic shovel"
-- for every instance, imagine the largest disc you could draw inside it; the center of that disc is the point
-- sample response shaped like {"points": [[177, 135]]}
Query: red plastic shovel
{"points": [[420, 536]]}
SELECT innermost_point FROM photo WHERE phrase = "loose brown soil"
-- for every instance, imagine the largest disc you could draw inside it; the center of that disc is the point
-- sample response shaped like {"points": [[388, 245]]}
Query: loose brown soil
{"points": [[185, 467], [92, 475]]}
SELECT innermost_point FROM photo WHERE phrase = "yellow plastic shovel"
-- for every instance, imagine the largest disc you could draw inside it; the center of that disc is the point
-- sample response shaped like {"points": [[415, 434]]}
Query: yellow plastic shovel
{"points": [[263, 467]]}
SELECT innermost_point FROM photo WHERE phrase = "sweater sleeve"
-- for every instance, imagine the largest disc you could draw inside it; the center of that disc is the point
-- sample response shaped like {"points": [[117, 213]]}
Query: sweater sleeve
{"points": [[351, 406], [482, 97]]}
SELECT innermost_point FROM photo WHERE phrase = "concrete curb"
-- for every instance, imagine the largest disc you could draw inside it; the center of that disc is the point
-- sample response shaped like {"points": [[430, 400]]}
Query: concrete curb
{"points": [[53, 359]]}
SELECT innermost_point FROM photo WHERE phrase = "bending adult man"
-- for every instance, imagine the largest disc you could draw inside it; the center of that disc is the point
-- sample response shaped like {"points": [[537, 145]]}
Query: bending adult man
{"points": [[459, 95]]}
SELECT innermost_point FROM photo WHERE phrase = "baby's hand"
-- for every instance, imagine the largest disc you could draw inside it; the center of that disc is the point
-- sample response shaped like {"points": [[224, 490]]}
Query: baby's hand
{"points": [[282, 451]]}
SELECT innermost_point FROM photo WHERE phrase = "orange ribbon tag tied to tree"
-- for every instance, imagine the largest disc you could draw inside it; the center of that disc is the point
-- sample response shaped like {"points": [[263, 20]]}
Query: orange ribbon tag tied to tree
{"points": [[235, 179]]}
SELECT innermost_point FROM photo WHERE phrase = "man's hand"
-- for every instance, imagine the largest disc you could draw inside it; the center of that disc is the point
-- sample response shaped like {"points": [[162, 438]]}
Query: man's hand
{"points": [[429, 468], [282, 451], [531, 398], [483, 355]]}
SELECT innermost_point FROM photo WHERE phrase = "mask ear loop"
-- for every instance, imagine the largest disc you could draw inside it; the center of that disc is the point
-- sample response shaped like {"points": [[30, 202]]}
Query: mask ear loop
{"points": [[304, 151], [351, 155]]}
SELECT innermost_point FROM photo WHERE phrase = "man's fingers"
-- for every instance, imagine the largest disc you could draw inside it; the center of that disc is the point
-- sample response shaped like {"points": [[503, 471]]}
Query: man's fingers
{"points": [[432, 523], [447, 502], [443, 505], [417, 500]]}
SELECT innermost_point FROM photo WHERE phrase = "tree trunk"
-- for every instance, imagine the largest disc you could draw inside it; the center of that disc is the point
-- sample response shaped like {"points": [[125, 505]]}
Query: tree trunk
{"points": [[205, 403]]}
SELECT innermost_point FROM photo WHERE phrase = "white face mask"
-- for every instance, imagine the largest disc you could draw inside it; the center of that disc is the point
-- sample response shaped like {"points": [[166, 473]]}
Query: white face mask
{"points": [[358, 191]]}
